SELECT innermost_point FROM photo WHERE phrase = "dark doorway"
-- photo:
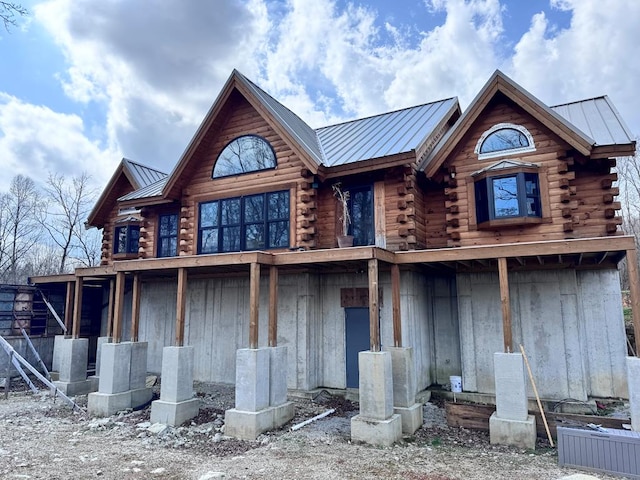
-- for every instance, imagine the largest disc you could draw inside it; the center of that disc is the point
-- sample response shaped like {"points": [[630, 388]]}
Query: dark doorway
{"points": [[357, 340]]}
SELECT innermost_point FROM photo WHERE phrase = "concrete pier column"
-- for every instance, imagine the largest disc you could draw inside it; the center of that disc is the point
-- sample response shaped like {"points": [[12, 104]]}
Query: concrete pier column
{"points": [[376, 423], [140, 394], [633, 379], [261, 393], [113, 393], [71, 356], [176, 404], [404, 388], [96, 378], [511, 423]]}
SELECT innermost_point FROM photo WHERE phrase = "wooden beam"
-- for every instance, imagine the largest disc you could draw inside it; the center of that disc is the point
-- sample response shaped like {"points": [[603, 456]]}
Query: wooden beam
{"points": [[68, 307], [254, 299], [112, 289], [95, 271], [273, 306], [118, 309], [77, 309], [193, 261], [506, 307], [634, 287], [135, 307], [524, 249], [181, 300], [374, 310], [395, 305]]}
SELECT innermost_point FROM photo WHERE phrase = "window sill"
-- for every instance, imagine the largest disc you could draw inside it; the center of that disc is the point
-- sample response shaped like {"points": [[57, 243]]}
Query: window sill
{"points": [[510, 222], [125, 256]]}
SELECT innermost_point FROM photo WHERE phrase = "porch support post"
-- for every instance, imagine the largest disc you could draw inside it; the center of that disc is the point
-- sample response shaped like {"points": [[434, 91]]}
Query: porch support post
{"points": [[254, 298], [273, 306], [506, 307], [181, 306], [135, 308], [118, 309], [395, 304], [112, 288], [77, 308], [634, 287], [68, 308], [374, 311]]}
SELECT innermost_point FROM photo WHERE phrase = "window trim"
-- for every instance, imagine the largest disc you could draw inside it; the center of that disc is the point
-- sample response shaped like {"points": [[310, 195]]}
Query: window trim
{"points": [[160, 237], [242, 224], [503, 153], [275, 158], [543, 187], [128, 254]]}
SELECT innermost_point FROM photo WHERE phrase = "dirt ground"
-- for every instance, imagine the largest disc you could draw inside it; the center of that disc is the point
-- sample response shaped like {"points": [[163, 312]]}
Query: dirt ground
{"points": [[40, 438]]}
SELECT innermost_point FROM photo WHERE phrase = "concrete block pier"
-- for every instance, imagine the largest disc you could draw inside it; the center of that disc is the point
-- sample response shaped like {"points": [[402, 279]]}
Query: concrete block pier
{"points": [[404, 389], [261, 393], [70, 358], [176, 404], [376, 424], [122, 377], [511, 423]]}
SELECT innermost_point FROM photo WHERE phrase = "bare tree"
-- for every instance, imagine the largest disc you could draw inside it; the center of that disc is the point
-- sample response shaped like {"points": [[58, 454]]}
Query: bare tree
{"points": [[629, 183], [69, 204], [21, 225], [9, 12]]}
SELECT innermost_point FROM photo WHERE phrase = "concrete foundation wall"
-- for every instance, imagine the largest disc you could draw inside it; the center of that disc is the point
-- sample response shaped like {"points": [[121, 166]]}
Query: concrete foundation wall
{"points": [[569, 322]]}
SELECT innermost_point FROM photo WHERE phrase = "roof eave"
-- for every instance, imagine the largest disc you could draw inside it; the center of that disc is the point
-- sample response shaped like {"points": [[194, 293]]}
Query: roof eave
{"points": [[123, 168]]}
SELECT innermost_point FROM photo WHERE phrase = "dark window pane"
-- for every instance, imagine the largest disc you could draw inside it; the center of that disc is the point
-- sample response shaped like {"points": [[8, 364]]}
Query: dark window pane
{"points": [[279, 234], [482, 201], [230, 211], [361, 206], [209, 214], [505, 197], [244, 154], [278, 205], [504, 139], [121, 240], [133, 241], [254, 237], [254, 209], [209, 241], [230, 239]]}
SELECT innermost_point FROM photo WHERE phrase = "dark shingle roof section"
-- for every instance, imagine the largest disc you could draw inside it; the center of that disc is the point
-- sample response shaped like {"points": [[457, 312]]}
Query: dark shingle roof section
{"points": [[382, 135], [302, 132], [597, 118], [144, 175]]}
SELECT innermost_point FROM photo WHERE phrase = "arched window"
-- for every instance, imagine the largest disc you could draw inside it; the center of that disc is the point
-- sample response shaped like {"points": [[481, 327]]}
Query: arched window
{"points": [[248, 153], [504, 139]]}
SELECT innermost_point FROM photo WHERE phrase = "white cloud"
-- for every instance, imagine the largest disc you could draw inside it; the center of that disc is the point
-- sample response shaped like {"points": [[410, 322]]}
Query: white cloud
{"points": [[35, 140], [596, 55], [154, 69]]}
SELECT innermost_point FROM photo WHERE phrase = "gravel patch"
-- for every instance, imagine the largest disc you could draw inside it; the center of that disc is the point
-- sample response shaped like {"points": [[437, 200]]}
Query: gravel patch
{"points": [[43, 439]]}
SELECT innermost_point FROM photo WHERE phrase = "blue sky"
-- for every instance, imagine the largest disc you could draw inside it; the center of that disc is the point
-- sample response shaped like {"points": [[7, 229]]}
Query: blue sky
{"points": [[84, 83]]}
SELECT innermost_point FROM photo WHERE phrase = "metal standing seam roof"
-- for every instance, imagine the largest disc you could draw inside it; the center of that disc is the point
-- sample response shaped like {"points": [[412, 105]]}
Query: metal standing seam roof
{"points": [[144, 175], [597, 118], [382, 135], [152, 190]]}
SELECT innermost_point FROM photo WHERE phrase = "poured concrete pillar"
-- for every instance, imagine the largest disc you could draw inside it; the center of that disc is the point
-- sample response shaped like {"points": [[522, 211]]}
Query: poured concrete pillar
{"points": [[121, 385], [633, 379], [71, 356], [95, 379], [261, 393], [376, 423], [404, 388], [176, 404], [511, 423]]}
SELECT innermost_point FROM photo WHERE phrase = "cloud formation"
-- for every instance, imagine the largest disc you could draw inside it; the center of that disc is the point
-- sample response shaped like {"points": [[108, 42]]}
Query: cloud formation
{"points": [[153, 70]]}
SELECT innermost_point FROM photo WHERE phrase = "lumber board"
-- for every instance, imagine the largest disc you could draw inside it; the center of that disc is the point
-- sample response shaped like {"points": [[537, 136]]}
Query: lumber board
{"points": [[476, 417]]}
